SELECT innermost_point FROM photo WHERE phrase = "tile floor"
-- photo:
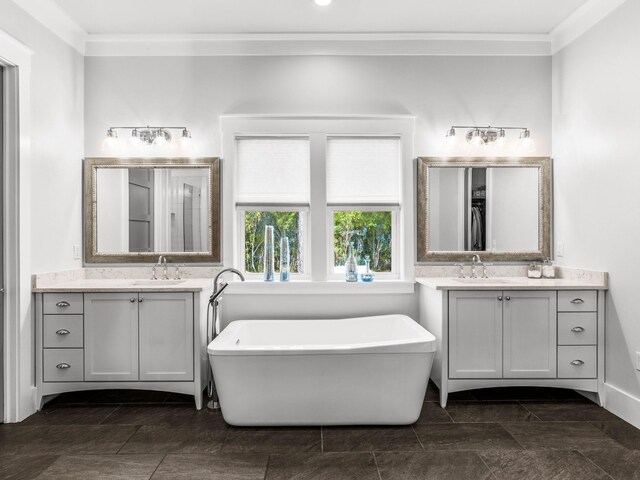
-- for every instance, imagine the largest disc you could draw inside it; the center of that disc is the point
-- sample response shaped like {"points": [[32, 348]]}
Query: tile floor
{"points": [[514, 433]]}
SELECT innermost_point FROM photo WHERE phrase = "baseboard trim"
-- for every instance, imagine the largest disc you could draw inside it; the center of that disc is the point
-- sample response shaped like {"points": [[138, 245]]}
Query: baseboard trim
{"points": [[622, 404]]}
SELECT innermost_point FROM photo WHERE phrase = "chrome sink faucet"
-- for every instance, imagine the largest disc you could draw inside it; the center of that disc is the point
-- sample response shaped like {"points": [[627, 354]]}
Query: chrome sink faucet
{"points": [[475, 262], [162, 262]]}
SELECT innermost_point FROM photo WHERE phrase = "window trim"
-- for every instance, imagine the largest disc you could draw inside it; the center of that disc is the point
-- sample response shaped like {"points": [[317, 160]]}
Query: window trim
{"points": [[396, 212], [240, 226]]}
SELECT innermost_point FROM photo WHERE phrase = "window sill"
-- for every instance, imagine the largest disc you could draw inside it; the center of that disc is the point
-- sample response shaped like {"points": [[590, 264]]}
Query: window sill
{"points": [[339, 287]]}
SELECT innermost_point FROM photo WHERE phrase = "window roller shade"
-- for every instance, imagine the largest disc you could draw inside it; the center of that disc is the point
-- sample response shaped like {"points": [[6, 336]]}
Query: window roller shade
{"points": [[273, 170], [363, 170]]}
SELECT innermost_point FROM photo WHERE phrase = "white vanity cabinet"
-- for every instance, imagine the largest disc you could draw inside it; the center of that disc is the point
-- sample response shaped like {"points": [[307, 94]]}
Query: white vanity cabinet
{"points": [[514, 336], [502, 334], [142, 339]]}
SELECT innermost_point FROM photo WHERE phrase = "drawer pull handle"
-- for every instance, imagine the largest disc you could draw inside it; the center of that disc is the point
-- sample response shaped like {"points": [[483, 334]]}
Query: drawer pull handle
{"points": [[577, 363], [63, 331], [63, 366], [63, 304], [500, 298], [577, 329], [577, 301]]}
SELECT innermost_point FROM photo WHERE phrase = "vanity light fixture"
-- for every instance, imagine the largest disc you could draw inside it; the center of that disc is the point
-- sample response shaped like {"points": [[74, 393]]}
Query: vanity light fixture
{"points": [[147, 135], [479, 136]]}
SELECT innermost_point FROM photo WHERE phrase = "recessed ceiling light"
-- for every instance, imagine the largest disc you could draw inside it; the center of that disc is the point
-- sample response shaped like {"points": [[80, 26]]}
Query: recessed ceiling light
{"points": [[322, 3]]}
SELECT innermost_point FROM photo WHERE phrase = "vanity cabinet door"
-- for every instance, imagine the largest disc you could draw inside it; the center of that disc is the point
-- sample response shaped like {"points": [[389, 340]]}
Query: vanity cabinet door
{"points": [[111, 337], [475, 334], [166, 336], [529, 334]]}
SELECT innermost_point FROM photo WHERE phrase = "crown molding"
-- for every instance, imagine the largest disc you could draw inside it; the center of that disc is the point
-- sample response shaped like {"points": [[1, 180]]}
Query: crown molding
{"points": [[580, 21], [398, 44], [56, 20], [52, 16]]}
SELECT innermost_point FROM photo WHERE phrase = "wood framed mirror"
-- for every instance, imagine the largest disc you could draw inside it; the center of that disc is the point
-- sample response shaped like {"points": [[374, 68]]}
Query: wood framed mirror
{"points": [[136, 209], [498, 208]]}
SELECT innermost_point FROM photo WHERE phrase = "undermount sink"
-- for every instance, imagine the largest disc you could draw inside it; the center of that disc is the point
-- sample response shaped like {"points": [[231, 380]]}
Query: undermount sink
{"points": [[156, 283]]}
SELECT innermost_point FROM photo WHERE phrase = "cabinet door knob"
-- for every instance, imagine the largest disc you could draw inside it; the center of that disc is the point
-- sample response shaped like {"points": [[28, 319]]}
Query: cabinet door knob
{"points": [[62, 304], [507, 298], [63, 331], [132, 300], [577, 329], [577, 301], [63, 366], [141, 300], [577, 363], [500, 298]]}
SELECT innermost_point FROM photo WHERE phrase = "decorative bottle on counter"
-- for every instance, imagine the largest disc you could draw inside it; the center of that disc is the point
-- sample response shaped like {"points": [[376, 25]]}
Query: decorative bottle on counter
{"points": [[268, 254], [368, 275], [534, 271], [284, 259], [548, 270], [351, 266]]}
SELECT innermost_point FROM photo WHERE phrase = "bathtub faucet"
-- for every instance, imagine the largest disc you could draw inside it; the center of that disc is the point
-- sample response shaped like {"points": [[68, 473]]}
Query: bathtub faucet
{"points": [[218, 288]]}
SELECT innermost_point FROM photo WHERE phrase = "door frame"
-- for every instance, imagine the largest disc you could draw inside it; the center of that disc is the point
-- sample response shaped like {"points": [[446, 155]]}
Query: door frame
{"points": [[19, 332]]}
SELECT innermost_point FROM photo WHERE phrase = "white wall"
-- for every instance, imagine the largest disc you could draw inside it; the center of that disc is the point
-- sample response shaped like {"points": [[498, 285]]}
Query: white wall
{"points": [[195, 91], [57, 127], [50, 186], [596, 101]]}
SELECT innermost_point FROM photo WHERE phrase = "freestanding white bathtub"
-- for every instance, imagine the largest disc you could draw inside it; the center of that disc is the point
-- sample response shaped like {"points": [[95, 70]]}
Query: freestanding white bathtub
{"points": [[358, 371]]}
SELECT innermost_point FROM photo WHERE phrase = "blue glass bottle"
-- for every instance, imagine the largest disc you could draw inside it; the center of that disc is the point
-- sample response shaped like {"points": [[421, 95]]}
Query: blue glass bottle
{"points": [[351, 266], [367, 275], [284, 259]]}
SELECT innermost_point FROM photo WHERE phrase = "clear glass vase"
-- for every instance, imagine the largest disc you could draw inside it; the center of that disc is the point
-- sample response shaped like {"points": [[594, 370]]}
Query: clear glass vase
{"points": [[367, 275], [269, 272], [284, 259], [351, 266]]}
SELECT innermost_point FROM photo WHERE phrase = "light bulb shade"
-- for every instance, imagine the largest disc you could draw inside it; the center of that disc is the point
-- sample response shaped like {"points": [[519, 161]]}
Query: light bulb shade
{"points": [[501, 139], [160, 139], [111, 141], [322, 3], [185, 140], [476, 138], [526, 142]]}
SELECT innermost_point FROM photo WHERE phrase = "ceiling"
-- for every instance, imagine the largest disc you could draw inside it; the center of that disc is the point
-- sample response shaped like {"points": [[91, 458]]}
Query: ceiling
{"points": [[304, 16]]}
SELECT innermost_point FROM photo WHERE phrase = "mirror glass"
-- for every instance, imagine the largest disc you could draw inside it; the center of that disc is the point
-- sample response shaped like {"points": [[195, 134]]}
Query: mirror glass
{"points": [[152, 210], [500, 206], [483, 209]]}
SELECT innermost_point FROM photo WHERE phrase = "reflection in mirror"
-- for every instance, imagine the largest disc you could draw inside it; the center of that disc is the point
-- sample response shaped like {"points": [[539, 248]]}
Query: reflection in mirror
{"points": [[152, 210], [483, 209], [499, 206]]}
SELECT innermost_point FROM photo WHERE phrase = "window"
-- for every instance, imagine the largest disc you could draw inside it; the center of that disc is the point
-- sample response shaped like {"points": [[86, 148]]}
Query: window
{"points": [[363, 197], [272, 189], [324, 184]]}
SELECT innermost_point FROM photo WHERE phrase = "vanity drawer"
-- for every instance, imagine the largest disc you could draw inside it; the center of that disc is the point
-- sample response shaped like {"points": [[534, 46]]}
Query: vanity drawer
{"points": [[577, 362], [578, 328], [62, 303], [63, 365], [577, 301], [63, 331]]}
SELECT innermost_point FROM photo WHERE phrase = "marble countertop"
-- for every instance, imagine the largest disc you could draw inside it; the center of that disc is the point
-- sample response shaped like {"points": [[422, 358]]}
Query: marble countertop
{"points": [[127, 285], [512, 283]]}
